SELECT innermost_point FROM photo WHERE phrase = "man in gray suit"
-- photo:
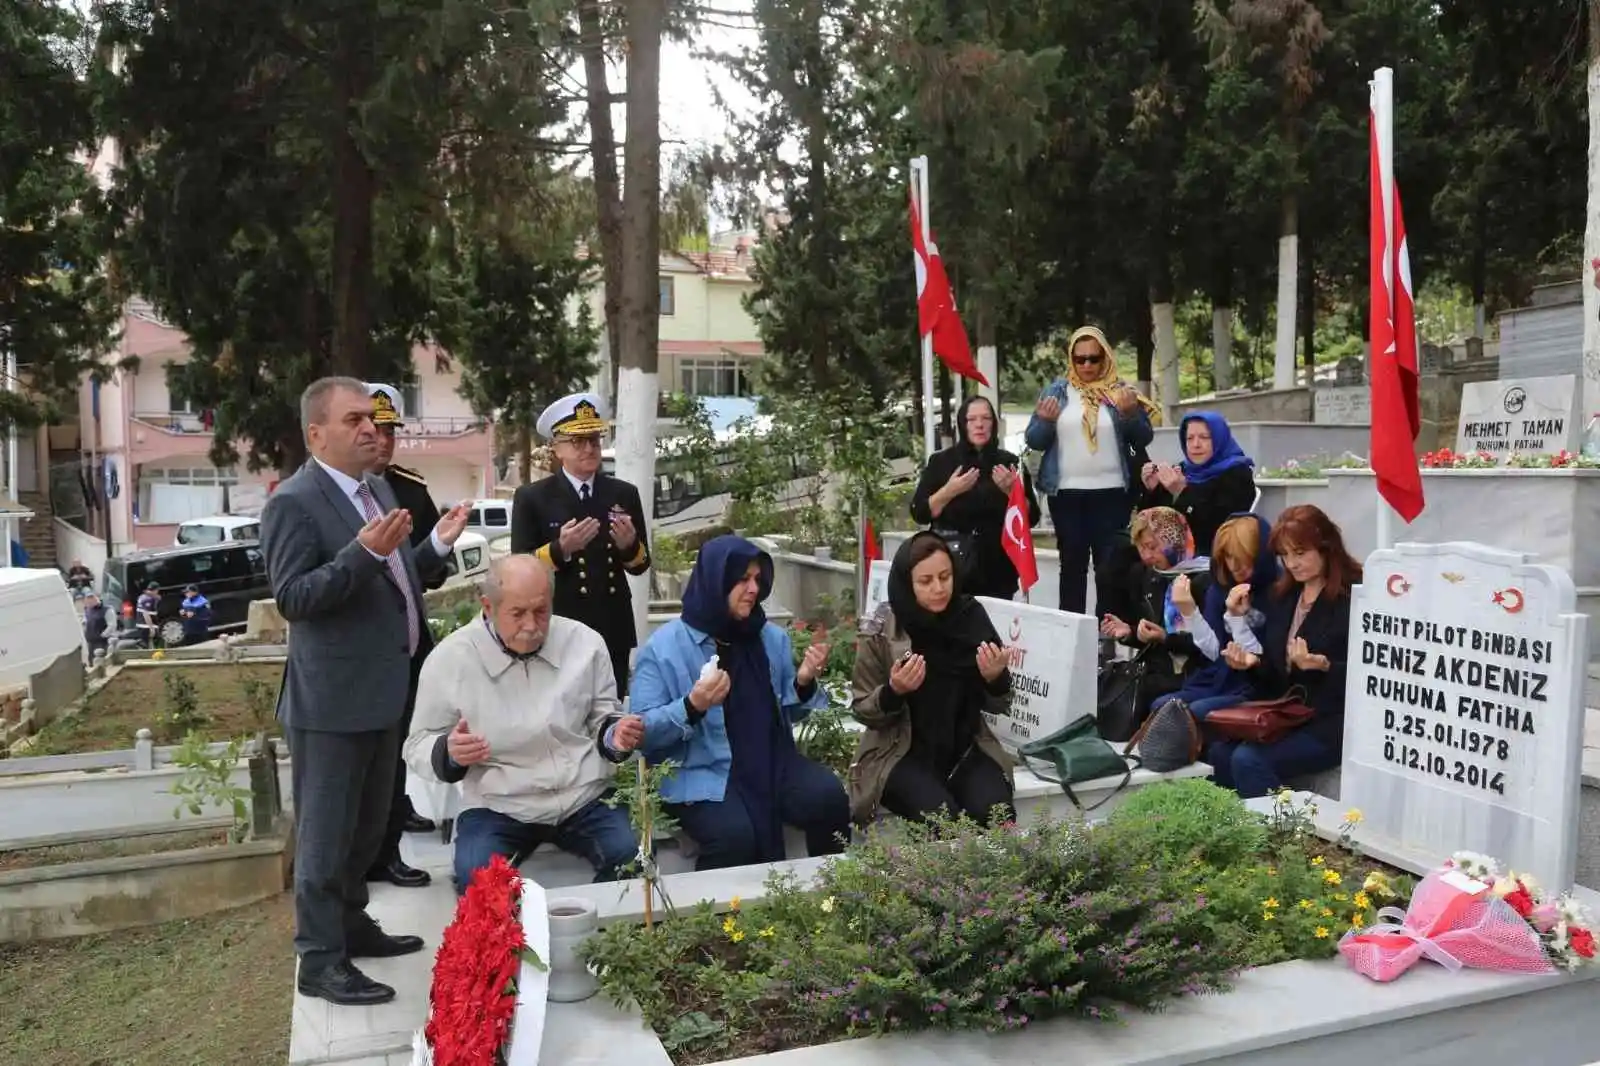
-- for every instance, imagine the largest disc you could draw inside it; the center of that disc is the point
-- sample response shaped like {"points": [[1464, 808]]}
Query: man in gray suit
{"points": [[347, 580]]}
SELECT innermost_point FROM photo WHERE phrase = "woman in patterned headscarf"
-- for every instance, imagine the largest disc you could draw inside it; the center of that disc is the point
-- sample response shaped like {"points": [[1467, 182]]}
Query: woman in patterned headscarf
{"points": [[1140, 612], [1093, 429]]}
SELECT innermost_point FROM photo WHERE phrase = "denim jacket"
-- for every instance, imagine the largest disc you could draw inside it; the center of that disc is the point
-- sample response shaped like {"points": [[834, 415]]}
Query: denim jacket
{"points": [[667, 668], [1133, 431]]}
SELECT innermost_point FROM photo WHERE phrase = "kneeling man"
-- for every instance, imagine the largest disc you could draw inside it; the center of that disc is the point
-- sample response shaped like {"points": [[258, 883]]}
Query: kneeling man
{"points": [[522, 707]]}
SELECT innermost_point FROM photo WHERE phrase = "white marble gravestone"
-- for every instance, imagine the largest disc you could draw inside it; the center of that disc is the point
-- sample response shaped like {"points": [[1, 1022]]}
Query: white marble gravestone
{"points": [[1054, 659], [1464, 706]]}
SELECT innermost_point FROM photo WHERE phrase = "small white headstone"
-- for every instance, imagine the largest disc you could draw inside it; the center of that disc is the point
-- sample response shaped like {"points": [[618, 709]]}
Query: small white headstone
{"points": [[877, 587], [1519, 416], [1464, 707], [1342, 405], [1054, 660]]}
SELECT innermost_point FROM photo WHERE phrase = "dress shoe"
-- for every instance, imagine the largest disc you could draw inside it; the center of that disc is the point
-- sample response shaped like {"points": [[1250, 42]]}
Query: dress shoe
{"points": [[380, 945], [345, 985], [398, 873], [416, 823]]}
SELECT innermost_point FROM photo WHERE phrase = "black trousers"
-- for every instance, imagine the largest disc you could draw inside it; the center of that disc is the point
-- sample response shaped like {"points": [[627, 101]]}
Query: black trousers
{"points": [[916, 790], [400, 808]]}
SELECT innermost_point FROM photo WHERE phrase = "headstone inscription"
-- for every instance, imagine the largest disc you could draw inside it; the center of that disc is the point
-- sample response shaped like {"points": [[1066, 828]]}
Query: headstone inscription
{"points": [[1464, 706], [1519, 416], [1054, 661]]}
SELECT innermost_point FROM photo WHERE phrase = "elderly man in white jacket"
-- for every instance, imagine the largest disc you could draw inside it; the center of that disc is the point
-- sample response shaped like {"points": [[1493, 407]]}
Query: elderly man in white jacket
{"points": [[522, 707]]}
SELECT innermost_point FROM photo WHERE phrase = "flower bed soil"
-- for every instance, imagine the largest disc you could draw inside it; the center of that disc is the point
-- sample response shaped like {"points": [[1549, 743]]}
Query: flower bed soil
{"points": [[135, 698], [59, 854]]}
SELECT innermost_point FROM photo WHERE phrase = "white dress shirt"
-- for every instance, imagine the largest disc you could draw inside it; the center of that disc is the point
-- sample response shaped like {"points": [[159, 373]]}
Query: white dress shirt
{"points": [[577, 484], [349, 486]]}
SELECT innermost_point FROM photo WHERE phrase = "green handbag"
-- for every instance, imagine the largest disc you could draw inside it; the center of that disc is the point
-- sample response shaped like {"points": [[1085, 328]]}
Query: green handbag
{"points": [[1073, 755]]}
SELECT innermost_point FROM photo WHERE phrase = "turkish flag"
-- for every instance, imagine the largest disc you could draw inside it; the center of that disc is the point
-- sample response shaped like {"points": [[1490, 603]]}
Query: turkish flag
{"points": [[1017, 539], [871, 550], [936, 306], [1396, 415]]}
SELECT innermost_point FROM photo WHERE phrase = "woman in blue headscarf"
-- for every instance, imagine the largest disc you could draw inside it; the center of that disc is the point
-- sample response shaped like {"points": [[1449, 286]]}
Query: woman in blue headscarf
{"points": [[1213, 482], [720, 694]]}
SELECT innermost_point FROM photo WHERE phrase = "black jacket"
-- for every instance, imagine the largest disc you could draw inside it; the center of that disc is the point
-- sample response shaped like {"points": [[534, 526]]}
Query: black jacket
{"points": [[411, 490], [979, 513], [1133, 591], [592, 586], [1207, 506], [1326, 631]]}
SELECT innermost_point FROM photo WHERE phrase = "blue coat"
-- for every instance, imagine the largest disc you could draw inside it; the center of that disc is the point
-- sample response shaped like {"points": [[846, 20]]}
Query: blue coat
{"points": [[1134, 435], [667, 668], [1216, 677]]}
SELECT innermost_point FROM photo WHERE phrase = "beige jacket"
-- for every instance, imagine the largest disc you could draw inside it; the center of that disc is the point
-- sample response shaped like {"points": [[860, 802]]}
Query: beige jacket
{"points": [[887, 736], [543, 717]]}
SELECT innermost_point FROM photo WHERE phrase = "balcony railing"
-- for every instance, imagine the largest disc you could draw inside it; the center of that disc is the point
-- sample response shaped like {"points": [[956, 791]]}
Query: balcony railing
{"points": [[185, 423]]}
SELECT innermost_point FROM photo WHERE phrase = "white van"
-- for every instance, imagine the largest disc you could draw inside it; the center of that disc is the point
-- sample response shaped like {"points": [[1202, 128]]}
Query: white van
{"points": [[217, 529], [38, 623], [489, 518]]}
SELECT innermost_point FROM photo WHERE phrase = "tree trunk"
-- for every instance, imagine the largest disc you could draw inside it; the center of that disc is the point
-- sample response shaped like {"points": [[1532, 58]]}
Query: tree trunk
{"points": [[1283, 375], [1163, 323], [946, 408], [988, 355], [524, 454], [607, 186], [641, 268], [1308, 300], [294, 455], [1222, 322], [1480, 267], [1143, 341], [354, 189], [820, 251]]}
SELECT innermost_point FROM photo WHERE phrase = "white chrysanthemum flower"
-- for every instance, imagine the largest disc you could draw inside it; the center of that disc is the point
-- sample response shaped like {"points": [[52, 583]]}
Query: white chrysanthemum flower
{"points": [[1474, 865]]}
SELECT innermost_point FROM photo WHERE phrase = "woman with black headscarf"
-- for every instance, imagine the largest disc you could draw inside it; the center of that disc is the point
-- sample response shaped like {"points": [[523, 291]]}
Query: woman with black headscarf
{"points": [[720, 693], [963, 495], [928, 665]]}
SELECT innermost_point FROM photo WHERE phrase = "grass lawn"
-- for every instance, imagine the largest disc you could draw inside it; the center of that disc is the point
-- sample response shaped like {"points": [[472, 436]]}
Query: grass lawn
{"points": [[202, 992], [136, 698], [121, 847]]}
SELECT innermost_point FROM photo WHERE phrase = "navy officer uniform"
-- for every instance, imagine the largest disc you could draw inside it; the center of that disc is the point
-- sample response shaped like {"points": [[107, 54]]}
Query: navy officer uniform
{"points": [[411, 493], [591, 586]]}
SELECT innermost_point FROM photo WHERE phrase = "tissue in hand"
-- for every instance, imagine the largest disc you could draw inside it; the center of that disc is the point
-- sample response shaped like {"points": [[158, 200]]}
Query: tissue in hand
{"points": [[709, 668]]}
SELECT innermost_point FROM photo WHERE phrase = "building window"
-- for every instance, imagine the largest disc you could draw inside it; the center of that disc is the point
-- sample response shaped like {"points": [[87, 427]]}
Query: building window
{"points": [[168, 495], [713, 377], [669, 296], [410, 402]]}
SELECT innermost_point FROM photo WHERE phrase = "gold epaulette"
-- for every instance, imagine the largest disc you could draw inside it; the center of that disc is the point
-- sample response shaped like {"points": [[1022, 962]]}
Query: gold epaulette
{"points": [[410, 475]]}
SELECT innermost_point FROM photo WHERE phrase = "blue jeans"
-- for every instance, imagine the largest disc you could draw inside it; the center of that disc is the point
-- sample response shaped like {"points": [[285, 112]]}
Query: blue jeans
{"points": [[810, 799], [1200, 707], [1088, 522], [1253, 770], [599, 833]]}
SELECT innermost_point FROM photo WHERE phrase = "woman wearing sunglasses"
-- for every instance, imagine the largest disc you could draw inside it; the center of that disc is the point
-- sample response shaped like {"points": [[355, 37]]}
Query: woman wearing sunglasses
{"points": [[1093, 429]]}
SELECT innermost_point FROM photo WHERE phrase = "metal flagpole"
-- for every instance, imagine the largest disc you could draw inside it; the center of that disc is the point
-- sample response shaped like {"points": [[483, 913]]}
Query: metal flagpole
{"points": [[930, 437], [1383, 121]]}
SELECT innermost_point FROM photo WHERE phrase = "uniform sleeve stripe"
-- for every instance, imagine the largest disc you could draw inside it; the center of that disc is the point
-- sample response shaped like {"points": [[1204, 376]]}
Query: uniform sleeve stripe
{"points": [[544, 553]]}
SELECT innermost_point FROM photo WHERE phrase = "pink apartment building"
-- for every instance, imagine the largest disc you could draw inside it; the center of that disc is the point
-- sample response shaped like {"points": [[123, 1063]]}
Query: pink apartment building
{"points": [[149, 450]]}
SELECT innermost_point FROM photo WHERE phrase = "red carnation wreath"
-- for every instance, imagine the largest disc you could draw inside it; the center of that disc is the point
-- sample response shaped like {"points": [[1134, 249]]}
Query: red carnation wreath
{"points": [[474, 993]]}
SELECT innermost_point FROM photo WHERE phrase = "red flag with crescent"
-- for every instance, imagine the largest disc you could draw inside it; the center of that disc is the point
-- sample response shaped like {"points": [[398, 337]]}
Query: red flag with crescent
{"points": [[936, 306], [1017, 538]]}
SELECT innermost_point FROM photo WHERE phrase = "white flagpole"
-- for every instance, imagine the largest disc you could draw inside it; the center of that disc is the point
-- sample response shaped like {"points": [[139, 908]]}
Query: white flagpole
{"points": [[930, 420], [1382, 88]]}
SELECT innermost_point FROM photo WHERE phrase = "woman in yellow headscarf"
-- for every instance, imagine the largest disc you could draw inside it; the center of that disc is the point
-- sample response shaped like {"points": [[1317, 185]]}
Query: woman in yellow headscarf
{"points": [[1093, 429]]}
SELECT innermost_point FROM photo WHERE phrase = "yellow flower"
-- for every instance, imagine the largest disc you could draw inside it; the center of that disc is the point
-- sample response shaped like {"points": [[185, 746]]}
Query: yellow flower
{"points": [[1331, 877], [1266, 916], [736, 936], [1340, 897], [1305, 904], [1353, 816], [827, 905], [1321, 933], [1272, 871], [1377, 884], [1270, 903], [1318, 861], [1326, 913], [769, 932], [733, 904], [158, 655], [1361, 900], [1358, 919], [728, 925]]}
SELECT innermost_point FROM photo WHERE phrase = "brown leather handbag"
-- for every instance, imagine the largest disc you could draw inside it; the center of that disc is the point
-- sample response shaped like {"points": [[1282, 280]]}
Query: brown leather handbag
{"points": [[1260, 721]]}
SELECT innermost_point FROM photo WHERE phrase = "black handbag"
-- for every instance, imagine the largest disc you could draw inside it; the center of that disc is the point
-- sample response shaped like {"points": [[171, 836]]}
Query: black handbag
{"points": [[1119, 709], [963, 550]]}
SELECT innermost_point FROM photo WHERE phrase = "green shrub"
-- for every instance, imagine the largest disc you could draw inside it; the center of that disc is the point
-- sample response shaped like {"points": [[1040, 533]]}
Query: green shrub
{"points": [[1192, 818]]}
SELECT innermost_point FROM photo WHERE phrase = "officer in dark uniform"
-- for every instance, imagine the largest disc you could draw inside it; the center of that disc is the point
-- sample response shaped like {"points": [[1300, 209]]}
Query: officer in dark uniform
{"points": [[588, 526], [412, 493]]}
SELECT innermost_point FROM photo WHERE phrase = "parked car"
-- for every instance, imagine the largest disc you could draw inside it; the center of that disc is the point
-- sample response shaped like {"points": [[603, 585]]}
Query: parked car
{"points": [[489, 518], [468, 561], [218, 529], [230, 575]]}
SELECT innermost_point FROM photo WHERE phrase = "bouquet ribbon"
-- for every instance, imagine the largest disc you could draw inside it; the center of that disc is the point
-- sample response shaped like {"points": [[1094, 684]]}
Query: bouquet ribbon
{"points": [[1392, 932]]}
